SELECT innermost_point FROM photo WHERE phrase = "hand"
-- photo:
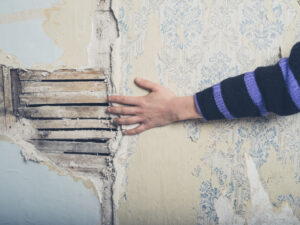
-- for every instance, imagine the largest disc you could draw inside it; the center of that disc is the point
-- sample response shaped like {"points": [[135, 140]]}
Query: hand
{"points": [[158, 108]]}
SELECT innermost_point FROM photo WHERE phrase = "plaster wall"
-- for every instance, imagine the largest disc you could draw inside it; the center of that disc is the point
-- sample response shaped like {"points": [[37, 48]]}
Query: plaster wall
{"points": [[223, 172], [32, 194], [49, 35], [226, 172]]}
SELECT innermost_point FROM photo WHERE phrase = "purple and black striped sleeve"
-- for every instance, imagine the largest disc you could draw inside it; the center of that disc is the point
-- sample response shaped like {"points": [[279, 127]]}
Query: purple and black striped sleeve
{"points": [[273, 88]]}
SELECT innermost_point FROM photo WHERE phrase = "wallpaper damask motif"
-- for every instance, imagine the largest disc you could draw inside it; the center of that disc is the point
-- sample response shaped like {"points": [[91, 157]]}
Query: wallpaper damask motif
{"points": [[188, 45]]}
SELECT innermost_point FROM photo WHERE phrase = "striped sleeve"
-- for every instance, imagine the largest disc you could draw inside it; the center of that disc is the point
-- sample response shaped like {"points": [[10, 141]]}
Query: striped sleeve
{"points": [[267, 89]]}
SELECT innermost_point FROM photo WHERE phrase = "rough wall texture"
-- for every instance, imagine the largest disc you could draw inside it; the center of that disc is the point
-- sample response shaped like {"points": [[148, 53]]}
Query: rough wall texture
{"points": [[61, 34], [243, 171], [227, 172]]}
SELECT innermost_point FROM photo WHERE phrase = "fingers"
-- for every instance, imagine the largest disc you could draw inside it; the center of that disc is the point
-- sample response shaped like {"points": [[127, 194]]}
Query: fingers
{"points": [[136, 130], [123, 110], [147, 84], [126, 100], [128, 120]]}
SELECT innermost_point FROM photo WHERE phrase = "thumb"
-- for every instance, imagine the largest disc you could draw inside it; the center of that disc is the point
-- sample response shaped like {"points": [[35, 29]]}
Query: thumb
{"points": [[146, 84]]}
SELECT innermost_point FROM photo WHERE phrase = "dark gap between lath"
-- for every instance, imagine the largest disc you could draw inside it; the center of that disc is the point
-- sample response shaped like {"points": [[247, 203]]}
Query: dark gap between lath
{"points": [[88, 153], [74, 129], [67, 80], [69, 104], [66, 118], [93, 140]]}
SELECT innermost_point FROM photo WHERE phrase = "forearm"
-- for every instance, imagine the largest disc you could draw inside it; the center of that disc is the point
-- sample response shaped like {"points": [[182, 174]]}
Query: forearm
{"points": [[267, 89]]}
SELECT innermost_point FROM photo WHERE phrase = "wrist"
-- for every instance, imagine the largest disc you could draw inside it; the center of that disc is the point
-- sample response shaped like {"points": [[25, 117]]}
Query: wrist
{"points": [[185, 108]]}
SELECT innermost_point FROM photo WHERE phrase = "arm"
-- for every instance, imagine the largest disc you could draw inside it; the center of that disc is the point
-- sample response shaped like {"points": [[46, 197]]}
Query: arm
{"points": [[268, 89]]}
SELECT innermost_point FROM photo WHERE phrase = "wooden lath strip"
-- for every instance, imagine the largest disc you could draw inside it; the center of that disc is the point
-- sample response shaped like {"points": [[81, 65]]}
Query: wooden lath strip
{"points": [[65, 74], [70, 147], [67, 108], [75, 123], [64, 112], [66, 98], [84, 163], [74, 134], [42, 87]]}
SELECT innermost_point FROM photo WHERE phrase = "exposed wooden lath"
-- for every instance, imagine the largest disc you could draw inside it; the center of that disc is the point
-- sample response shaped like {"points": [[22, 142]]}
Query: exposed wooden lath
{"points": [[67, 108]]}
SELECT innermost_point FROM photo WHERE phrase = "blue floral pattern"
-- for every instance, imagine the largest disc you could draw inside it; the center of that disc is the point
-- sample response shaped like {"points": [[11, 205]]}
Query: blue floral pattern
{"points": [[262, 137], [256, 26], [201, 45], [208, 194], [181, 23]]}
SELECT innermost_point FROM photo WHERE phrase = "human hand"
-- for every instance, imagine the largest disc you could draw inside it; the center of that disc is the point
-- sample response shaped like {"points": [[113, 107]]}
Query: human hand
{"points": [[158, 108]]}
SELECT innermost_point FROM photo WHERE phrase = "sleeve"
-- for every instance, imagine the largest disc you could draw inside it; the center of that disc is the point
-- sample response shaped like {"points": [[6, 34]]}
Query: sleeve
{"points": [[272, 88]]}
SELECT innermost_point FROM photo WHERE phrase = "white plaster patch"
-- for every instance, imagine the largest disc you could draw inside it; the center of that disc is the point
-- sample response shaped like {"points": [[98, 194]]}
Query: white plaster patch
{"points": [[261, 210], [226, 214]]}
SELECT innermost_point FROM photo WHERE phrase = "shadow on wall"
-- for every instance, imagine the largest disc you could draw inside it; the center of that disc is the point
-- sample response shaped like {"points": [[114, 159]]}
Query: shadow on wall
{"points": [[31, 194]]}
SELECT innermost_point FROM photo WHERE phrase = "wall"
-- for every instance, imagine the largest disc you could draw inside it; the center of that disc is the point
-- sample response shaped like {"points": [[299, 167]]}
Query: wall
{"points": [[48, 35], [32, 194], [227, 172]]}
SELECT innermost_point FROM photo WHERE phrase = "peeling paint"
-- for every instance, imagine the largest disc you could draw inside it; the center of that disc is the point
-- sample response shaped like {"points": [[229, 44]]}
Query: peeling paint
{"points": [[260, 210], [84, 33], [195, 173]]}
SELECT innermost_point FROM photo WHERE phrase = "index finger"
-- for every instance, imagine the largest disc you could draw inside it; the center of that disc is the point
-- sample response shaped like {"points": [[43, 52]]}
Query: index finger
{"points": [[127, 100]]}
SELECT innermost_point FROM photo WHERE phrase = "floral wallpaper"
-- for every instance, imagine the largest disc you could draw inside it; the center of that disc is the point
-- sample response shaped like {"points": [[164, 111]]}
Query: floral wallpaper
{"points": [[195, 44]]}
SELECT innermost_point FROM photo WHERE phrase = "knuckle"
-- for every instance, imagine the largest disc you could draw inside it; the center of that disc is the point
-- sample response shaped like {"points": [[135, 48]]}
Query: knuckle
{"points": [[142, 102], [112, 109], [146, 119], [139, 111], [122, 98], [126, 121], [114, 98], [116, 110]]}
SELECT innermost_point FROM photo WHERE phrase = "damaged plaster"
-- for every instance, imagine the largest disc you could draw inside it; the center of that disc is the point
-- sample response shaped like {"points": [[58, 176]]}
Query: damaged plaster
{"points": [[84, 34], [197, 173]]}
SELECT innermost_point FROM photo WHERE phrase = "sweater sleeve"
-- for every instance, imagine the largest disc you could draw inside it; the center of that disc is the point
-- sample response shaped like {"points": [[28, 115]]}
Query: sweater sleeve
{"points": [[267, 89]]}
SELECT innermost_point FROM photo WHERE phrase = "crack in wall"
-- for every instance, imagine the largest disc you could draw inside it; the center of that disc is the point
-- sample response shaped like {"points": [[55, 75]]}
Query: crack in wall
{"points": [[104, 34]]}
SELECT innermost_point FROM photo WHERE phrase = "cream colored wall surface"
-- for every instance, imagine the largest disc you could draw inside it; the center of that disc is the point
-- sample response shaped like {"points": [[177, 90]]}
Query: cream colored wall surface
{"points": [[244, 171]]}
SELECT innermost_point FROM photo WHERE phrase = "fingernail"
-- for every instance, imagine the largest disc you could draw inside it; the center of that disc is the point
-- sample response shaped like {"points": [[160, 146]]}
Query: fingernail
{"points": [[108, 109]]}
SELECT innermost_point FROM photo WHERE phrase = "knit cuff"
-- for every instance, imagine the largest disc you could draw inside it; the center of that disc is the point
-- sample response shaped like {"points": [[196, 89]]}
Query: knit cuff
{"points": [[206, 105], [198, 108]]}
